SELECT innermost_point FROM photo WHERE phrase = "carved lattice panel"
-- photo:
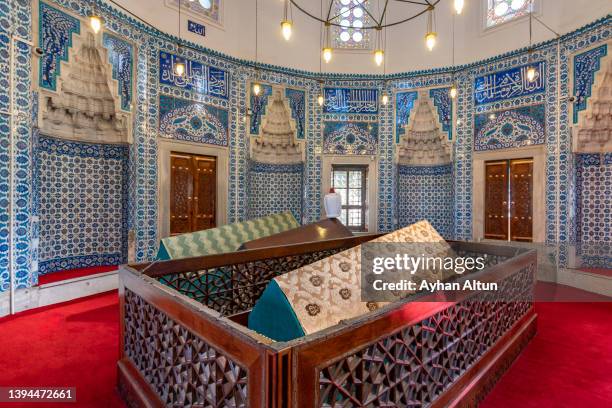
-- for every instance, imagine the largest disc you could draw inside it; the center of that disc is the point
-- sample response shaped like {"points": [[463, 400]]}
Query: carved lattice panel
{"points": [[182, 368], [236, 288], [417, 364]]}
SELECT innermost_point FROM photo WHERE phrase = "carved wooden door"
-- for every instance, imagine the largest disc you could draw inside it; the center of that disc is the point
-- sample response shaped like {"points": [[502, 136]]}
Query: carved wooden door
{"points": [[193, 186], [205, 187], [521, 187], [509, 200], [496, 200]]}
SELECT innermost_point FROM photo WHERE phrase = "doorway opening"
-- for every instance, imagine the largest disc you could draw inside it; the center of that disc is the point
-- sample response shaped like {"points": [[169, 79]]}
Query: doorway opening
{"points": [[193, 189], [509, 200]]}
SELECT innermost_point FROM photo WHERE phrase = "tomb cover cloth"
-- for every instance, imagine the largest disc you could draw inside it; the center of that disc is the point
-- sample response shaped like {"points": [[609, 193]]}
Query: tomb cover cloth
{"points": [[226, 238], [322, 294]]}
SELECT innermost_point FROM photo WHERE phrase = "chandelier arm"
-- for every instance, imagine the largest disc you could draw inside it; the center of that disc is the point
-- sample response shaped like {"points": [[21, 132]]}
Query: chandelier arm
{"points": [[331, 4], [413, 2], [384, 13], [374, 27], [372, 17]]}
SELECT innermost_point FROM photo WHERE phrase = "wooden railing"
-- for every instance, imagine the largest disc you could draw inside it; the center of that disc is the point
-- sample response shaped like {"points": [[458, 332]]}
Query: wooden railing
{"points": [[175, 350]]}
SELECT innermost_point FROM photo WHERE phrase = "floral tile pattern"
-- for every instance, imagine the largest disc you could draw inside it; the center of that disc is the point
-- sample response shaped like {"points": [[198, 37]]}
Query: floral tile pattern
{"points": [[510, 128]]}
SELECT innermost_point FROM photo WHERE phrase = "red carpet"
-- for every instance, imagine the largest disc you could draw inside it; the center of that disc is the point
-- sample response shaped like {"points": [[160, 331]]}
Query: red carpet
{"points": [[73, 273], [75, 344], [567, 364]]}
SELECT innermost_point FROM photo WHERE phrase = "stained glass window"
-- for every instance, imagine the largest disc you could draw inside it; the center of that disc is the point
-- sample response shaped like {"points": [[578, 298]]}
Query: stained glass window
{"points": [[502, 11], [352, 17]]}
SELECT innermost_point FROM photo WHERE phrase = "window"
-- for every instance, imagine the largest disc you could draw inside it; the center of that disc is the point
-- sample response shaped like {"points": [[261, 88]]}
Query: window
{"points": [[351, 183], [209, 10], [352, 16], [502, 11]]}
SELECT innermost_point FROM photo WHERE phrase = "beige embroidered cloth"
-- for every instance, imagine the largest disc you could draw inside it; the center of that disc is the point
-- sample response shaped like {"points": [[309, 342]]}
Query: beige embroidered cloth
{"points": [[328, 291]]}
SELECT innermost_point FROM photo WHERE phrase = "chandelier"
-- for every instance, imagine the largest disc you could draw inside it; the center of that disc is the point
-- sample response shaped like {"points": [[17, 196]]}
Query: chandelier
{"points": [[354, 18]]}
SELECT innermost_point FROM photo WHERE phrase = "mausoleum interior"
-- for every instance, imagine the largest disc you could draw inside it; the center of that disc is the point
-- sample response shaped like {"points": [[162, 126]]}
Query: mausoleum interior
{"points": [[306, 203]]}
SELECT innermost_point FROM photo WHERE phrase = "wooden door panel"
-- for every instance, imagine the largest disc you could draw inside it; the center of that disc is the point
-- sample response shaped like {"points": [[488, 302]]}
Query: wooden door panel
{"points": [[521, 203], [181, 194], [205, 188], [496, 200]]}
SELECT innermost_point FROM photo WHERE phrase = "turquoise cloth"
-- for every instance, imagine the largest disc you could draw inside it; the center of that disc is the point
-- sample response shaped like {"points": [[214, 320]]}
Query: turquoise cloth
{"points": [[274, 317]]}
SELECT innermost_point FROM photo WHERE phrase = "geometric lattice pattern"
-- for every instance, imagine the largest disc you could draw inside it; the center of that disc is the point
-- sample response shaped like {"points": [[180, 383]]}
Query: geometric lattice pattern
{"points": [[412, 367], [235, 288], [426, 193], [181, 367]]}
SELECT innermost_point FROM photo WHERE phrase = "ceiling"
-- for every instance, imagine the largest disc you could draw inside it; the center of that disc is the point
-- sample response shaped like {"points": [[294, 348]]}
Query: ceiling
{"points": [[405, 50]]}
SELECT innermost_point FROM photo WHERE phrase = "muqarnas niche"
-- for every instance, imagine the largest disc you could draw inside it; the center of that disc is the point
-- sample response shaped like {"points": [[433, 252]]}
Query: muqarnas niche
{"points": [[425, 183], [276, 142], [424, 142], [87, 106], [593, 131], [276, 167]]}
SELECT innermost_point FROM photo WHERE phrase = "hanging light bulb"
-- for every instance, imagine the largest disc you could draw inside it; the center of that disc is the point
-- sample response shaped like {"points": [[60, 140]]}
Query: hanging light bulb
{"points": [[453, 91], [379, 56], [327, 54], [256, 89], [459, 6], [286, 29], [385, 99], [179, 68], [96, 23], [531, 74], [286, 24], [320, 100], [431, 36], [430, 40], [327, 50]]}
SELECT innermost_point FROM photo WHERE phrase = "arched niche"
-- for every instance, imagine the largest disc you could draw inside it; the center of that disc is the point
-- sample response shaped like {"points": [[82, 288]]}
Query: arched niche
{"points": [[424, 143], [86, 106], [593, 131], [276, 142]]}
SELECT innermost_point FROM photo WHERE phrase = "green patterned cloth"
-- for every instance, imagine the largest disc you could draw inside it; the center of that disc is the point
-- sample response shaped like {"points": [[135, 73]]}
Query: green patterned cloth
{"points": [[227, 238]]}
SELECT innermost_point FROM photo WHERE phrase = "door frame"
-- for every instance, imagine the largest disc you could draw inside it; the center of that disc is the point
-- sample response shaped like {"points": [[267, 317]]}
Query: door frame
{"points": [[538, 153], [372, 202], [167, 146]]}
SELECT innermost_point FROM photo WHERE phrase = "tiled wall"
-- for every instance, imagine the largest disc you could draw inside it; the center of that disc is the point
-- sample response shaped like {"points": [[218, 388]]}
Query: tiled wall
{"points": [[426, 193], [82, 205], [228, 92], [594, 209], [275, 188]]}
